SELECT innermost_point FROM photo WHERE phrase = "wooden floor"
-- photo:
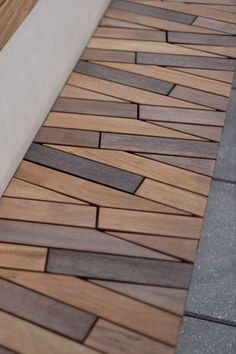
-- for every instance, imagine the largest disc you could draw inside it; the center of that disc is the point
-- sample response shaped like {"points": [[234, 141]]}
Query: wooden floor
{"points": [[100, 225]]}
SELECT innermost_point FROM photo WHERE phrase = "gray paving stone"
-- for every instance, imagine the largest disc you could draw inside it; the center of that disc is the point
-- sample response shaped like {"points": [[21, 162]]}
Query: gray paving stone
{"points": [[204, 337], [213, 285]]}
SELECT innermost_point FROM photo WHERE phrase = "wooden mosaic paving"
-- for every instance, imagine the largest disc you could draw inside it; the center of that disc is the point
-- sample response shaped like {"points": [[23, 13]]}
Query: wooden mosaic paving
{"points": [[100, 225]]}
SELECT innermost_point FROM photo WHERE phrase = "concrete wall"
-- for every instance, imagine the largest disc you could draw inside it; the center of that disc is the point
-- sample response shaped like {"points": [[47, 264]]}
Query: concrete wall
{"points": [[34, 65]]}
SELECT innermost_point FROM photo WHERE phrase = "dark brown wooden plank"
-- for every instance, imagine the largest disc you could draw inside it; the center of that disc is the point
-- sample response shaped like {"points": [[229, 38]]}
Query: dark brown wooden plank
{"points": [[44, 311], [124, 77], [193, 38], [116, 109], [130, 33], [200, 97], [229, 28], [108, 55], [186, 61], [84, 168], [153, 11], [159, 145], [70, 137], [6, 351], [128, 269]]}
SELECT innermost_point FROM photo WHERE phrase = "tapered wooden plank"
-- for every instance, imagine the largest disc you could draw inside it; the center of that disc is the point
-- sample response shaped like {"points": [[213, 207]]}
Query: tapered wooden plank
{"points": [[166, 146], [67, 136], [108, 55], [165, 298], [200, 97], [132, 314], [110, 338], [229, 28], [22, 189], [186, 61], [79, 188], [109, 124], [204, 166], [208, 39], [73, 238], [175, 77], [151, 223], [184, 249], [47, 212], [25, 337], [181, 115], [22, 257], [94, 107], [124, 92], [84, 168], [220, 75], [175, 197], [44, 311], [227, 8], [125, 78], [145, 167], [215, 49], [109, 22], [124, 33], [128, 269], [153, 11]]}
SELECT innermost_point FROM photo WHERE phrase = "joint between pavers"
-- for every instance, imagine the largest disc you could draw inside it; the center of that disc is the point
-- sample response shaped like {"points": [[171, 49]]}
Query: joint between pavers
{"points": [[209, 318]]}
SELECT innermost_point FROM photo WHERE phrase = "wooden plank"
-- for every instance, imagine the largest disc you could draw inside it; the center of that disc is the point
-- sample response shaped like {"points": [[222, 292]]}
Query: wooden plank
{"points": [[229, 28], [174, 76], [215, 49], [132, 314], [220, 75], [41, 310], [145, 167], [79, 188], [22, 257], [181, 248], [47, 212], [110, 338], [81, 167], [181, 115], [108, 124], [116, 109], [121, 91], [150, 223], [67, 136], [73, 238], [208, 39], [175, 197], [125, 78], [23, 336], [124, 33], [163, 146], [187, 61], [109, 22], [108, 55], [200, 97], [119, 268]]}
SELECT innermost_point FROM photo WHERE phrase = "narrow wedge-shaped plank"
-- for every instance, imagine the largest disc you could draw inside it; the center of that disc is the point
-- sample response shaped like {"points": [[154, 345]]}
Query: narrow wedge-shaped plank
{"points": [[109, 22], [108, 124], [125, 33], [154, 170], [47, 212], [45, 312], [151, 223], [220, 75], [24, 337], [119, 268], [108, 55], [110, 338], [84, 168], [221, 50], [175, 197], [165, 298], [22, 257], [229, 28], [79, 188], [22, 189], [125, 92], [184, 249], [208, 39], [166, 146], [115, 109]]}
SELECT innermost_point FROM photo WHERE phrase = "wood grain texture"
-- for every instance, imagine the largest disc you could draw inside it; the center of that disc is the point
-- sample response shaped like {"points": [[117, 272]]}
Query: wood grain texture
{"points": [[229, 28], [220, 75], [222, 50], [124, 33], [208, 39], [109, 22], [108, 55]]}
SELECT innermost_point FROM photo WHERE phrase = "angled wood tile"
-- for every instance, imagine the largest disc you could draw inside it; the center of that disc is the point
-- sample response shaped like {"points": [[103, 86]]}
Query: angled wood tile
{"points": [[108, 55], [229, 28], [221, 50], [124, 33], [209, 39], [109, 22], [220, 75]]}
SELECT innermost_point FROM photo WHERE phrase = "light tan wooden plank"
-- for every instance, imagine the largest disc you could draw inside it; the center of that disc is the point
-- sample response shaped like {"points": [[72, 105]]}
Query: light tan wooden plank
{"points": [[153, 169], [47, 212], [132, 314], [220, 75], [127, 92], [22, 257], [25, 337], [214, 49], [151, 223], [112, 125], [174, 197], [110, 22], [22, 189], [175, 76], [227, 8], [127, 33], [89, 191]]}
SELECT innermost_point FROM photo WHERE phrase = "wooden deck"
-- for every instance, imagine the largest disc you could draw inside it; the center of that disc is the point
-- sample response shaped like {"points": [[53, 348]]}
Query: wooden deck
{"points": [[100, 225]]}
